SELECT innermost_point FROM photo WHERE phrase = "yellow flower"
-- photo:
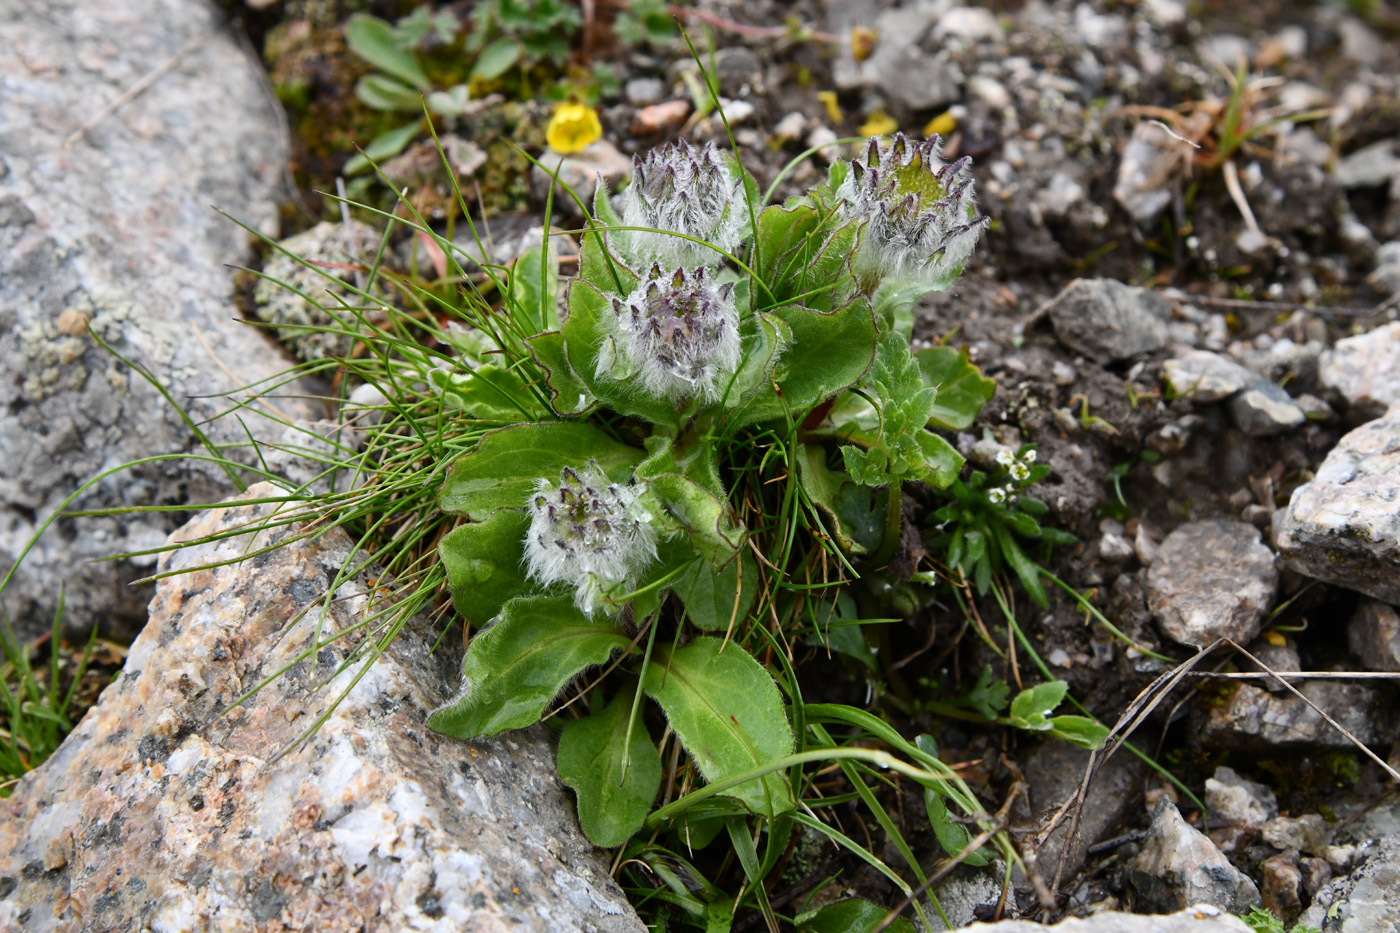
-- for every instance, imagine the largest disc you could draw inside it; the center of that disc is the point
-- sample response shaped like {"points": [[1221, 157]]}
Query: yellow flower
{"points": [[833, 108], [573, 127], [941, 125], [863, 40], [879, 123]]}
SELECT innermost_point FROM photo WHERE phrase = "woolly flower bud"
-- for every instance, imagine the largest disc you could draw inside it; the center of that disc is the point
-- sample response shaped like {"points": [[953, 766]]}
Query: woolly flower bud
{"points": [[588, 532], [679, 332], [679, 189], [920, 216]]}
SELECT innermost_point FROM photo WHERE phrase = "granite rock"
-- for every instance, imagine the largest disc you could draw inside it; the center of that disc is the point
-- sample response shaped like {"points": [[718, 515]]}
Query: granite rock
{"points": [[1178, 866], [1343, 526], [1212, 579], [1365, 370], [1200, 918], [1367, 900], [1231, 797], [111, 232], [1252, 717], [168, 809], [1205, 377], [1108, 321], [1263, 409]]}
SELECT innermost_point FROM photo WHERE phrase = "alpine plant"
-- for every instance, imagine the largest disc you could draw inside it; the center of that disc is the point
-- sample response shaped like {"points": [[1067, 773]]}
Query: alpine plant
{"points": [[921, 220], [679, 189], [588, 532], [679, 333]]}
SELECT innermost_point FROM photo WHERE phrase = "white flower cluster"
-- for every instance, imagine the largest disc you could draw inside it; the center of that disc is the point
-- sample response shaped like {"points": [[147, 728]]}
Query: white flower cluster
{"points": [[677, 188], [1018, 467], [679, 332], [920, 215], [588, 532]]}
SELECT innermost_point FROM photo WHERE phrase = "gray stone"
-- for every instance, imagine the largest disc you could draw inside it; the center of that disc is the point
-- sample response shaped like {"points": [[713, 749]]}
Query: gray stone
{"points": [[1369, 167], [1263, 409], [1212, 579], [643, 91], [1251, 717], [1231, 797], [1373, 635], [1343, 526], [1367, 900], [1178, 866], [1309, 834], [1108, 321], [1205, 377], [1147, 173], [1365, 370], [1200, 918], [114, 234], [169, 809], [1055, 771], [1386, 276], [969, 23], [898, 68]]}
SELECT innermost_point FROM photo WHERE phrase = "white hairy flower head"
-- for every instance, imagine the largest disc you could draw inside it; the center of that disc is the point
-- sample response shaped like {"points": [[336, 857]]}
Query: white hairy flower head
{"points": [[921, 220], [588, 532], [679, 333], [678, 188]]}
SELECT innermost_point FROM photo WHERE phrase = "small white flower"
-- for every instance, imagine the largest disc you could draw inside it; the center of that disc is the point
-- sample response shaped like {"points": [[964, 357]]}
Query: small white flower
{"points": [[996, 495], [920, 217], [679, 333], [588, 532], [1005, 457], [1028, 456], [1020, 472], [679, 189]]}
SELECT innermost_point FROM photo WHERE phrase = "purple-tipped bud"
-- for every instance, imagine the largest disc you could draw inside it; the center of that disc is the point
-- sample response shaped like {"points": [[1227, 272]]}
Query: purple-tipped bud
{"points": [[678, 333], [921, 220], [679, 189]]}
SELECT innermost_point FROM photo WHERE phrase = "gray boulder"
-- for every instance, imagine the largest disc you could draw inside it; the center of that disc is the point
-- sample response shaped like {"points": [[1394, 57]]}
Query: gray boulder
{"points": [[1343, 526], [112, 231], [170, 809]]}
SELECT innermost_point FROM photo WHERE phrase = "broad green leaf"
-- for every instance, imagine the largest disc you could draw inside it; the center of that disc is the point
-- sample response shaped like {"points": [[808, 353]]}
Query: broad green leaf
{"points": [[940, 457], [820, 278], [823, 353], [783, 237], [514, 669], [588, 335], [705, 519], [484, 564], [729, 715], [527, 303], [373, 39], [496, 59], [1027, 570], [597, 266], [381, 93], [616, 780], [488, 393], [568, 393], [1081, 730], [856, 915], [384, 146], [709, 594], [962, 389], [1032, 706], [501, 472], [763, 339]]}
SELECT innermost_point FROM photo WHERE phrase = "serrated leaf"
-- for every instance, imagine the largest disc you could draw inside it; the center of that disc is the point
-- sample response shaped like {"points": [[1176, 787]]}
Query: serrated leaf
{"points": [[484, 564], [616, 780], [514, 669], [501, 472], [382, 93], [496, 59], [372, 39], [729, 716], [988, 696], [384, 146], [962, 389], [1031, 707], [568, 393], [709, 594]]}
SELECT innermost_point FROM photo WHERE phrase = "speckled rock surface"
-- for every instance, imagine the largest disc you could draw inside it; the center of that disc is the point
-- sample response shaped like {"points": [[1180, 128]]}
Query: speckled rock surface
{"points": [[1212, 579], [164, 812], [1178, 866], [1107, 321], [1367, 900], [1343, 527], [1202, 918], [116, 233], [1373, 635], [1254, 718], [1365, 370]]}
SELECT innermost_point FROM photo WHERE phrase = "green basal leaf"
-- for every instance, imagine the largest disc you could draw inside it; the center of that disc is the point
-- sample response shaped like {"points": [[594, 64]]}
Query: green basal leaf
{"points": [[962, 389], [501, 472], [588, 335], [856, 915], [1031, 707], [381, 93], [568, 393], [826, 352], [1027, 570], [372, 39], [514, 669], [597, 266], [763, 338], [852, 519], [1080, 730], [527, 304], [952, 836], [485, 564], [1022, 524], [941, 459], [384, 146], [616, 780], [729, 715], [784, 238], [818, 274], [706, 520], [496, 59], [487, 393], [709, 594]]}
